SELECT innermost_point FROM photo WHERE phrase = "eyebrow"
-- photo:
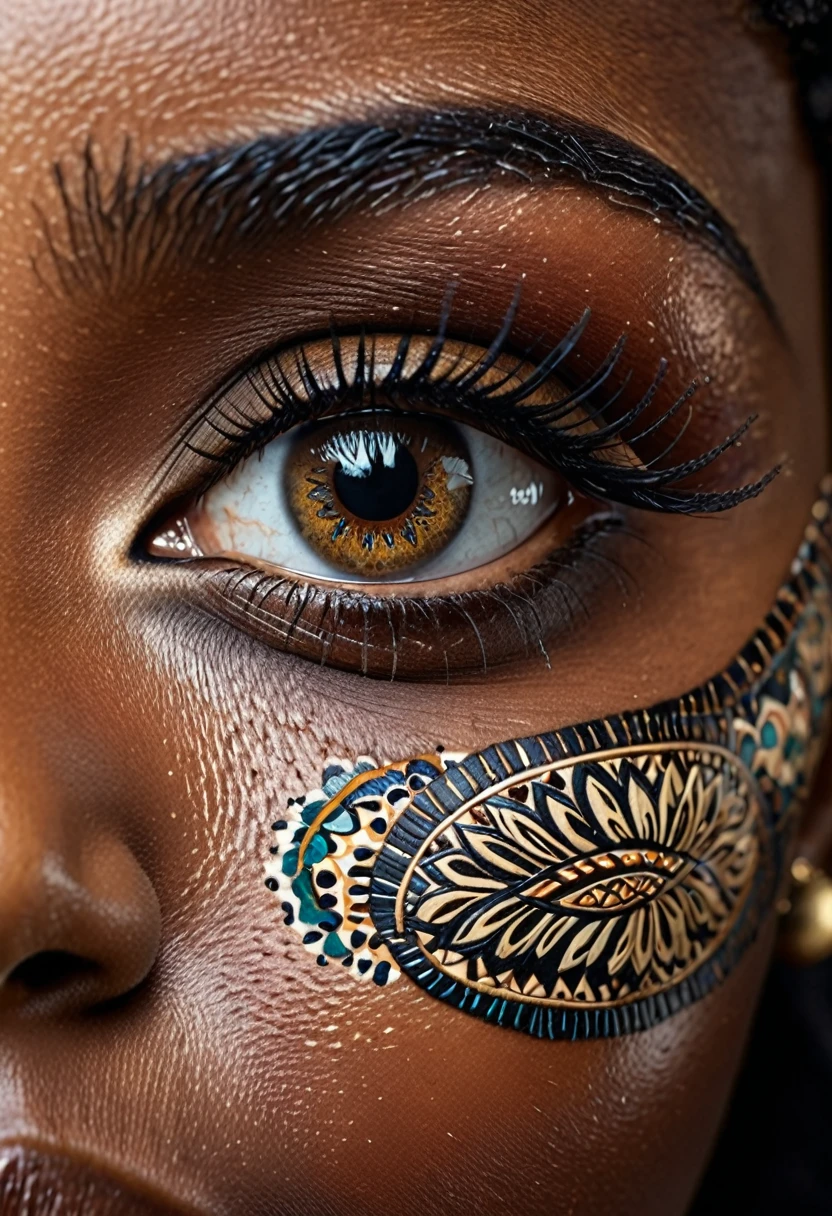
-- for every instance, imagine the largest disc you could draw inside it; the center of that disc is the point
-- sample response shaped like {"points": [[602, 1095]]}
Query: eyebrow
{"points": [[121, 228]]}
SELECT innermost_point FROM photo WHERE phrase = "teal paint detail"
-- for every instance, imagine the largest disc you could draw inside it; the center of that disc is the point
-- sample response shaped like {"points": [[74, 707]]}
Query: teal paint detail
{"points": [[309, 912], [334, 947], [310, 812], [768, 735], [747, 749], [341, 821], [316, 850]]}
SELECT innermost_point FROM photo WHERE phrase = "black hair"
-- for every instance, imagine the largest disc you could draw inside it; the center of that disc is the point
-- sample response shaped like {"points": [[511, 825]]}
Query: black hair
{"points": [[807, 25]]}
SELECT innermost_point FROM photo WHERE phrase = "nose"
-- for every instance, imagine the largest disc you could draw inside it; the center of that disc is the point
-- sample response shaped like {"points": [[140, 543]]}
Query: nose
{"points": [[79, 918]]}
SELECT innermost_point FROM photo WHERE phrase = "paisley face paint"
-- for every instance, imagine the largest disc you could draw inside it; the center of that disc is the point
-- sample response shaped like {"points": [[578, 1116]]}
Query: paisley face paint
{"points": [[325, 854], [588, 881]]}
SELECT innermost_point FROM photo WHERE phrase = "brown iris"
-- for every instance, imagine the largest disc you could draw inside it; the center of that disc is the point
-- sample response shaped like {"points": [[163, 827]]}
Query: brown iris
{"points": [[379, 494]]}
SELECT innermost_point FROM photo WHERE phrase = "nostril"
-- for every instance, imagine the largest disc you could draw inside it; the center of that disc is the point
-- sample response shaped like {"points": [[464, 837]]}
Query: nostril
{"points": [[51, 969], [74, 938]]}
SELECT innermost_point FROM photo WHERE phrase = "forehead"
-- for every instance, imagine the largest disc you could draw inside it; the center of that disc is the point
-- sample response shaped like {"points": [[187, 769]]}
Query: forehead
{"points": [[694, 85]]}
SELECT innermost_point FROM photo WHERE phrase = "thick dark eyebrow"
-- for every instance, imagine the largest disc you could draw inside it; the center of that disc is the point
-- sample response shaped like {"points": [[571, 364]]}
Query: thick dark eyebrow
{"points": [[122, 227]]}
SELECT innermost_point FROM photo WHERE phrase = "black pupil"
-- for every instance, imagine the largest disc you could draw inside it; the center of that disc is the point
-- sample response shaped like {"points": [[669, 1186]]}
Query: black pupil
{"points": [[384, 491]]}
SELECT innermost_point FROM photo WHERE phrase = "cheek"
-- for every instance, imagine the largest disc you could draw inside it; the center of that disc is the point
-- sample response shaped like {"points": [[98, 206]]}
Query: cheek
{"points": [[369, 1097], [413, 1111], [351, 1098]]}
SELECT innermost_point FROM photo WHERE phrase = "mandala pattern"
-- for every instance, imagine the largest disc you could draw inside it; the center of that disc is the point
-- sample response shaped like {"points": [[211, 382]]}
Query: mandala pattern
{"points": [[583, 882], [595, 882]]}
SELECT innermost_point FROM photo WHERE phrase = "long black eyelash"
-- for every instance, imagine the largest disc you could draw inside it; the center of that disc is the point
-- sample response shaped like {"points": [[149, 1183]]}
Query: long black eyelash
{"points": [[544, 428]]}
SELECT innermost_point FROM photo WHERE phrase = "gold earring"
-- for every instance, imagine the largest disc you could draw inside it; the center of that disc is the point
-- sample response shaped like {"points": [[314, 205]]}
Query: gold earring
{"points": [[806, 927]]}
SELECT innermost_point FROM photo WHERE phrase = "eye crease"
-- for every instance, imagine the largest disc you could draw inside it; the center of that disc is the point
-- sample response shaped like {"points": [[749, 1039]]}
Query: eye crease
{"points": [[574, 421]]}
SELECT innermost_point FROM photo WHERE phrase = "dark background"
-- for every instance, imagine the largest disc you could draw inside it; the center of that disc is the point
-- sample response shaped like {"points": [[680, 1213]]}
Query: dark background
{"points": [[775, 1151]]}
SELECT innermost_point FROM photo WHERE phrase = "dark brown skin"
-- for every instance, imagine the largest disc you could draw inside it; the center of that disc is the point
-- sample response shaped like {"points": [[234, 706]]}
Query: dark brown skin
{"points": [[146, 748]]}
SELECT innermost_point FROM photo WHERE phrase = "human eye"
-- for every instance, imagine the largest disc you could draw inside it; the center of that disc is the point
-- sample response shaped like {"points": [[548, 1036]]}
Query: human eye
{"points": [[418, 504], [377, 496]]}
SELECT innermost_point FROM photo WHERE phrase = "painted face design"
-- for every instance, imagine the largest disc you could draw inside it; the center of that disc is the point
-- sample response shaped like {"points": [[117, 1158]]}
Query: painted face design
{"points": [[584, 882]]}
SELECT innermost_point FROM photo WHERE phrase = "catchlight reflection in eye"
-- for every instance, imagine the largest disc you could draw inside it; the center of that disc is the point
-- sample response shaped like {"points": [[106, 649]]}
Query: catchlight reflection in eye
{"points": [[376, 498]]}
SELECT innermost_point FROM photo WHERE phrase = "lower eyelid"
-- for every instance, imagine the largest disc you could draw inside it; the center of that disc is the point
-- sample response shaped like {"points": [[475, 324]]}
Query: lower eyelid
{"points": [[418, 637]]}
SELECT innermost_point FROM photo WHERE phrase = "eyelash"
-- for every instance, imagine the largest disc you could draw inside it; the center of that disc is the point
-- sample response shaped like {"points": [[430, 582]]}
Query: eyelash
{"points": [[454, 633], [652, 485], [405, 637]]}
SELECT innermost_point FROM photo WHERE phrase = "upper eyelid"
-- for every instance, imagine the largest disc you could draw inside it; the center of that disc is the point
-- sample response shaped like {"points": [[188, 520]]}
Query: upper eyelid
{"points": [[187, 440], [575, 454], [198, 204]]}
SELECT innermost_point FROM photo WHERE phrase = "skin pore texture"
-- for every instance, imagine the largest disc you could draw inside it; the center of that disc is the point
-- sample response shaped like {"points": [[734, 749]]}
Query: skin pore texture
{"points": [[164, 1033]]}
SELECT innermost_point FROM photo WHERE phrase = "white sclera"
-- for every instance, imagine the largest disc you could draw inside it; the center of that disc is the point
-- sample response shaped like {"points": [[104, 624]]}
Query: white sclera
{"points": [[511, 496]]}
